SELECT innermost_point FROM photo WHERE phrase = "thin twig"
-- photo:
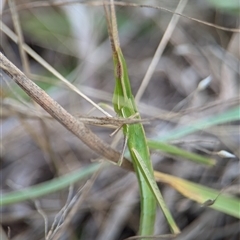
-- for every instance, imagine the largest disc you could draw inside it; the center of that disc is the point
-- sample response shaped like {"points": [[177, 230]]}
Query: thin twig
{"points": [[123, 4], [60, 213], [43, 214], [77, 205]]}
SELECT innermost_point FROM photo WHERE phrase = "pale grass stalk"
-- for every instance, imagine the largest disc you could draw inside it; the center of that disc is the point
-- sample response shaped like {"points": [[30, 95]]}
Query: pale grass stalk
{"points": [[162, 45], [18, 30], [46, 65]]}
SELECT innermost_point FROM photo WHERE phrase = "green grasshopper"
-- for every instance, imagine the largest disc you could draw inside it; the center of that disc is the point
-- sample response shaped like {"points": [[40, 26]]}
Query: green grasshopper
{"points": [[125, 107]]}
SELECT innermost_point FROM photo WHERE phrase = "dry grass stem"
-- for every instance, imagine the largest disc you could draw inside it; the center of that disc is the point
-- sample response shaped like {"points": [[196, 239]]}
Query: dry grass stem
{"points": [[60, 114]]}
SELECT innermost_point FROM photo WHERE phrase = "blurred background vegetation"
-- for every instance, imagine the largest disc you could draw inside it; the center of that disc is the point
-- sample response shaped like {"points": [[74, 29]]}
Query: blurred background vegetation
{"points": [[73, 39]]}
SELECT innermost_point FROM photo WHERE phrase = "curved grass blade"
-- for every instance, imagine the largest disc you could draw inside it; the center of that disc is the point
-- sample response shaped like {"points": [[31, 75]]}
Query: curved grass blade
{"points": [[47, 187], [230, 115], [221, 202], [173, 150]]}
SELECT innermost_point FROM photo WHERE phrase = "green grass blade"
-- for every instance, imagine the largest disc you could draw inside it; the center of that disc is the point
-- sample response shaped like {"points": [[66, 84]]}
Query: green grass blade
{"points": [[224, 203], [47, 187], [173, 150], [231, 115]]}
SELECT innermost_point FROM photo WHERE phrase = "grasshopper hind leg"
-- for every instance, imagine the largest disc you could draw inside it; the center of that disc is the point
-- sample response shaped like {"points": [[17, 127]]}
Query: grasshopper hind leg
{"points": [[123, 151]]}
